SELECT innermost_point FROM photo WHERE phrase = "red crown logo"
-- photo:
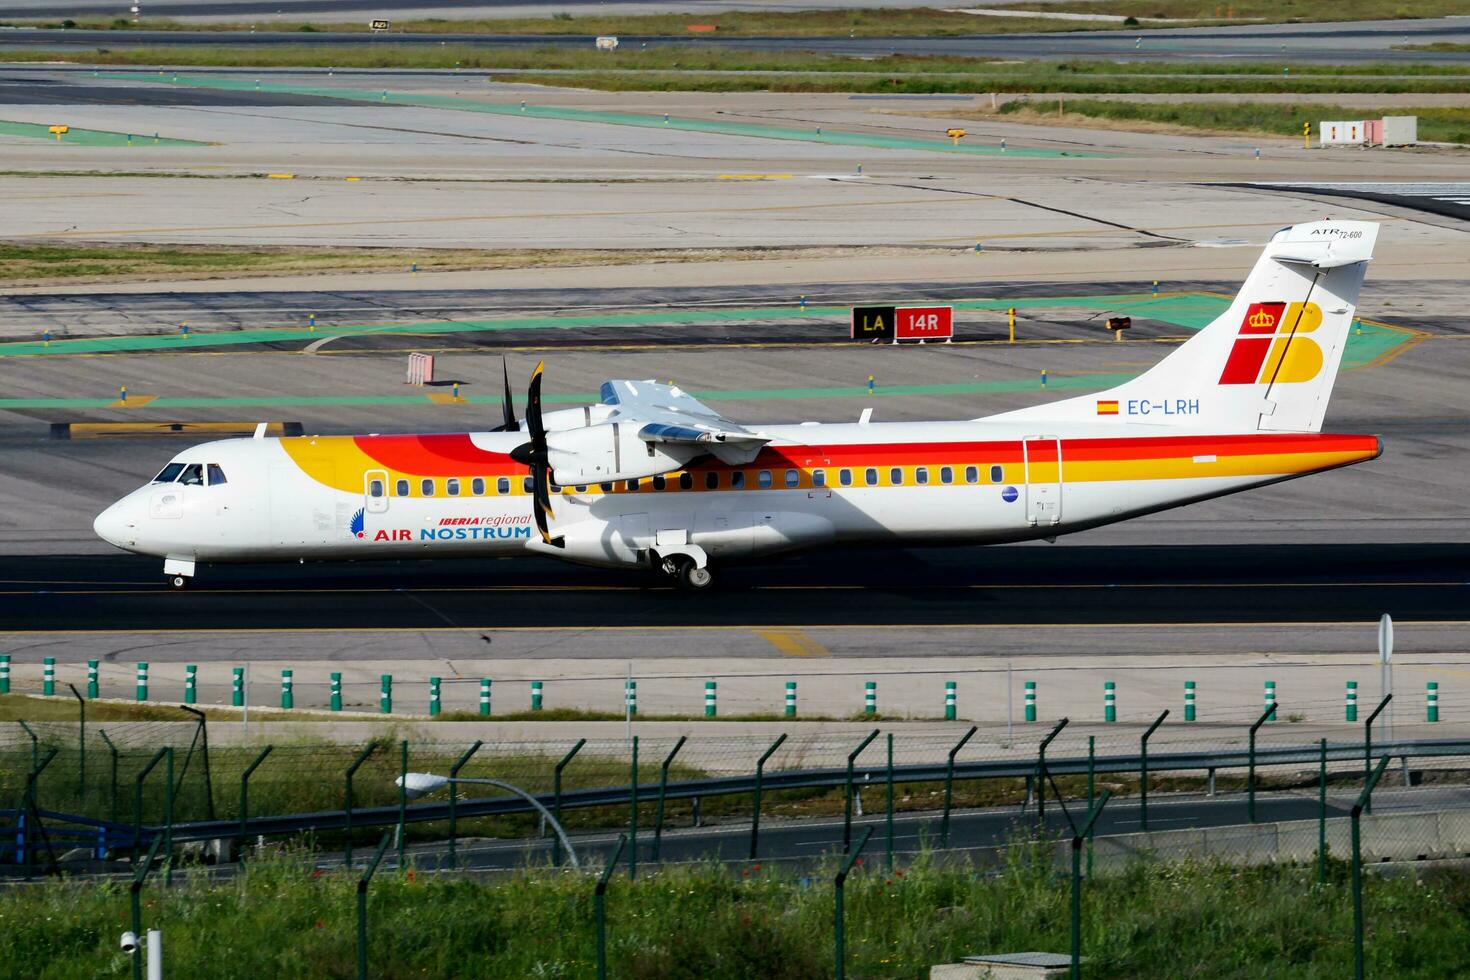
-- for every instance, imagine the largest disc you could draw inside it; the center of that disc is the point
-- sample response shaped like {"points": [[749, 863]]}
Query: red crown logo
{"points": [[1261, 319]]}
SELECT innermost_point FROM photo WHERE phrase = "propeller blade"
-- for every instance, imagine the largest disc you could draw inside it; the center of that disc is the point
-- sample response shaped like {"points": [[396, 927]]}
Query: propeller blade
{"points": [[508, 405], [533, 409]]}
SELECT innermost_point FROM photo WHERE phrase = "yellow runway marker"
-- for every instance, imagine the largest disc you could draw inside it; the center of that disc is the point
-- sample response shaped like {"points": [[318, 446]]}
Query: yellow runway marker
{"points": [[793, 643], [444, 398], [134, 401]]}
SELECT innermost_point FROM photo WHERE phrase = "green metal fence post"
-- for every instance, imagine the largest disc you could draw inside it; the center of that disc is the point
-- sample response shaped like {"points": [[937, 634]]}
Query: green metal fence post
{"points": [[599, 906], [1093, 812], [1364, 799], [485, 696], [838, 917], [434, 692], [168, 818], [113, 750], [142, 691], [536, 689], [949, 786], [454, 798], [1250, 772], [1041, 773], [1143, 771], [1110, 701], [191, 683], [48, 676], [245, 796], [709, 699], [138, 798], [362, 890], [791, 699], [888, 788], [1322, 813], [31, 809], [1030, 700], [1368, 744], [35, 743], [556, 797], [1091, 786], [4, 673], [755, 809], [847, 797], [288, 695], [1351, 713], [93, 687], [403, 806], [663, 784], [950, 699], [633, 812], [237, 687], [335, 691], [385, 695], [81, 744], [870, 697], [362, 756], [1189, 700], [1431, 701]]}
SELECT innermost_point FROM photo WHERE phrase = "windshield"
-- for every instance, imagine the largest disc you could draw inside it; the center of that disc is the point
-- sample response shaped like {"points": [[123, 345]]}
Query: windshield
{"points": [[170, 473]]}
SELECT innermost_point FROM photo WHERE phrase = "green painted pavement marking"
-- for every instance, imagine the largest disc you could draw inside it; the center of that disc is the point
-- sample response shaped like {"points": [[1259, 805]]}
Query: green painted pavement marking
{"points": [[1190, 310], [568, 114], [90, 137]]}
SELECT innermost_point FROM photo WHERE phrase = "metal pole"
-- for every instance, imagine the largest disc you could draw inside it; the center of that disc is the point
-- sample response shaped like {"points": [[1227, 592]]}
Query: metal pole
{"points": [[168, 818], [1093, 812], [32, 810], [1364, 799], [840, 944], [847, 801], [1091, 786], [347, 801], [1250, 777], [633, 813], [113, 749], [949, 786], [454, 797], [81, 745], [135, 899], [888, 857], [362, 889], [1041, 773], [203, 735], [1322, 815], [35, 743], [755, 810], [403, 806], [1368, 743], [663, 783], [1143, 771], [245, 795], [599, 906], [556, 796], [138, 799]]}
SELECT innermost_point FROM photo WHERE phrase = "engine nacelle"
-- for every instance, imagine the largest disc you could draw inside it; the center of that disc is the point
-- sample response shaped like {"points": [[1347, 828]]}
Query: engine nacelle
{"points": [[610, 451], [575, 418]]}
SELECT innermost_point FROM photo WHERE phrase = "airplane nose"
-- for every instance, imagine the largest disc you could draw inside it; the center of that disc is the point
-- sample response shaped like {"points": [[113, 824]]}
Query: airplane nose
{"points": [[114, 525]]}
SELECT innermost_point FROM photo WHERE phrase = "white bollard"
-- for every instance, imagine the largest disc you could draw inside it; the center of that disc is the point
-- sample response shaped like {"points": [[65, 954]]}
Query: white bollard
{"points": [[155, 955]]}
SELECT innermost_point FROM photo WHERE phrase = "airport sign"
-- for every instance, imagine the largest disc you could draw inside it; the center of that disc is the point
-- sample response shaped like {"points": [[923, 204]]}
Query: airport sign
{"points": [[379, 25]]}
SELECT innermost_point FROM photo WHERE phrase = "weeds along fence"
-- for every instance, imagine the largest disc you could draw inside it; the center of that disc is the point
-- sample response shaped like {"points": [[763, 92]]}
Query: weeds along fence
{"points": [[115, 787]]}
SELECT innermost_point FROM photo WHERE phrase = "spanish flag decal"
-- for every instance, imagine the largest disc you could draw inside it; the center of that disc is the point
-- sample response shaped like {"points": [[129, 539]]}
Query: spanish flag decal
{"points": [[1107, 408]]}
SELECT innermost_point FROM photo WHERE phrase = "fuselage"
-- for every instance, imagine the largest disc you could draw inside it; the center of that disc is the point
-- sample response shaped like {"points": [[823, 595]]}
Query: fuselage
{"points": [[406, 496]]}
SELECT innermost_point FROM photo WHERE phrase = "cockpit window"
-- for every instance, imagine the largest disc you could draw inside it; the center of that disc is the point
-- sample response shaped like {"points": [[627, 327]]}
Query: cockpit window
{"points": [[169, 473], [216, 475], [193, 475]]}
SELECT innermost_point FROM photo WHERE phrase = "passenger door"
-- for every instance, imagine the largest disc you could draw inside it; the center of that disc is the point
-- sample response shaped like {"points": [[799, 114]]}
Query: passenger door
{"points": [[1042, 458]]}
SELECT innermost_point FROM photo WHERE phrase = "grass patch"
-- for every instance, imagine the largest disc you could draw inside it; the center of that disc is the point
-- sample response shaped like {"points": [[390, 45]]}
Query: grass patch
{"points": [[22, 265], [1440, 125], [1151, 920], [1267, 11]]}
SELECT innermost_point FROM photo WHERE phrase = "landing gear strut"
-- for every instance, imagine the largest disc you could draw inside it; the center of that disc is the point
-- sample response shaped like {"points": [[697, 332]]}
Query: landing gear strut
{"points": [[686, 574]]}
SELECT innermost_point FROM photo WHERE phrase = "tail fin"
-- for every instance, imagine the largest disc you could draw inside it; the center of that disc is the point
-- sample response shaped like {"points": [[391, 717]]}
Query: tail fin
{"points": [[1266, 364]]}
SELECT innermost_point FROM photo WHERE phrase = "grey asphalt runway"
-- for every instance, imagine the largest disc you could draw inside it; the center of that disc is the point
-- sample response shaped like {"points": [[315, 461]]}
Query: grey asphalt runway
{"points": [[1345, 43]]}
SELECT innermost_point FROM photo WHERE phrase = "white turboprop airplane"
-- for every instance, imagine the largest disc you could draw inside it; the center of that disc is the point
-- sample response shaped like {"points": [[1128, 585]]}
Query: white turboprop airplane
{"points": [[652, 478]]}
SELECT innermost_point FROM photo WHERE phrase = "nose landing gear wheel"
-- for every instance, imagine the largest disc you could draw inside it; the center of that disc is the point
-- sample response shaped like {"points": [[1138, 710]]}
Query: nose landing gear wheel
{"points": [[687, 575], [178, 582]]}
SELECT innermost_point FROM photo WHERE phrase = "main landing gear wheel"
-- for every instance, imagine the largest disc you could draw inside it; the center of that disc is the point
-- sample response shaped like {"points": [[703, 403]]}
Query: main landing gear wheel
{"points": [[687, 575], [178, 582]]}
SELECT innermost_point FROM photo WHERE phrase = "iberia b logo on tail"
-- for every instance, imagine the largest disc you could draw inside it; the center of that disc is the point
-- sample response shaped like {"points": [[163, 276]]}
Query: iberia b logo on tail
{"points": [[1271, 345]]}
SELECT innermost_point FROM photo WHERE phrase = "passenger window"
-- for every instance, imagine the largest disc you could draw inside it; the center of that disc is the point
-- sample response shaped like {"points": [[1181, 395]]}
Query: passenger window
{"points": [[819, 478], [870, 476], [946, 475], [972, 475], [375, 488], [170, 473], [553, 487], [895, 476], [216, 475], [400, 488], [659, 482], [528, 485], [793, 478], [686, 481], [451, 486], [502, 485], [426, 488], [633, 485], [844, 477], [605, 487], [580, 489], [193, 475], [477, 486], [712, 481], [997, 474], [921, 475], [764, 479], [737, 480]]}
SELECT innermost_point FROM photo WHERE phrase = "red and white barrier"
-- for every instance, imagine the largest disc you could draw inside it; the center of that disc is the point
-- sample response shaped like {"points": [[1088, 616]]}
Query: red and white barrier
{"points": [[420, 369]]}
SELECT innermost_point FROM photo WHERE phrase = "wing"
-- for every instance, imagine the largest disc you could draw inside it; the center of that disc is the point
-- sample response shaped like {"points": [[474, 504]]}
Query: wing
{"points": [[668, 415]]}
